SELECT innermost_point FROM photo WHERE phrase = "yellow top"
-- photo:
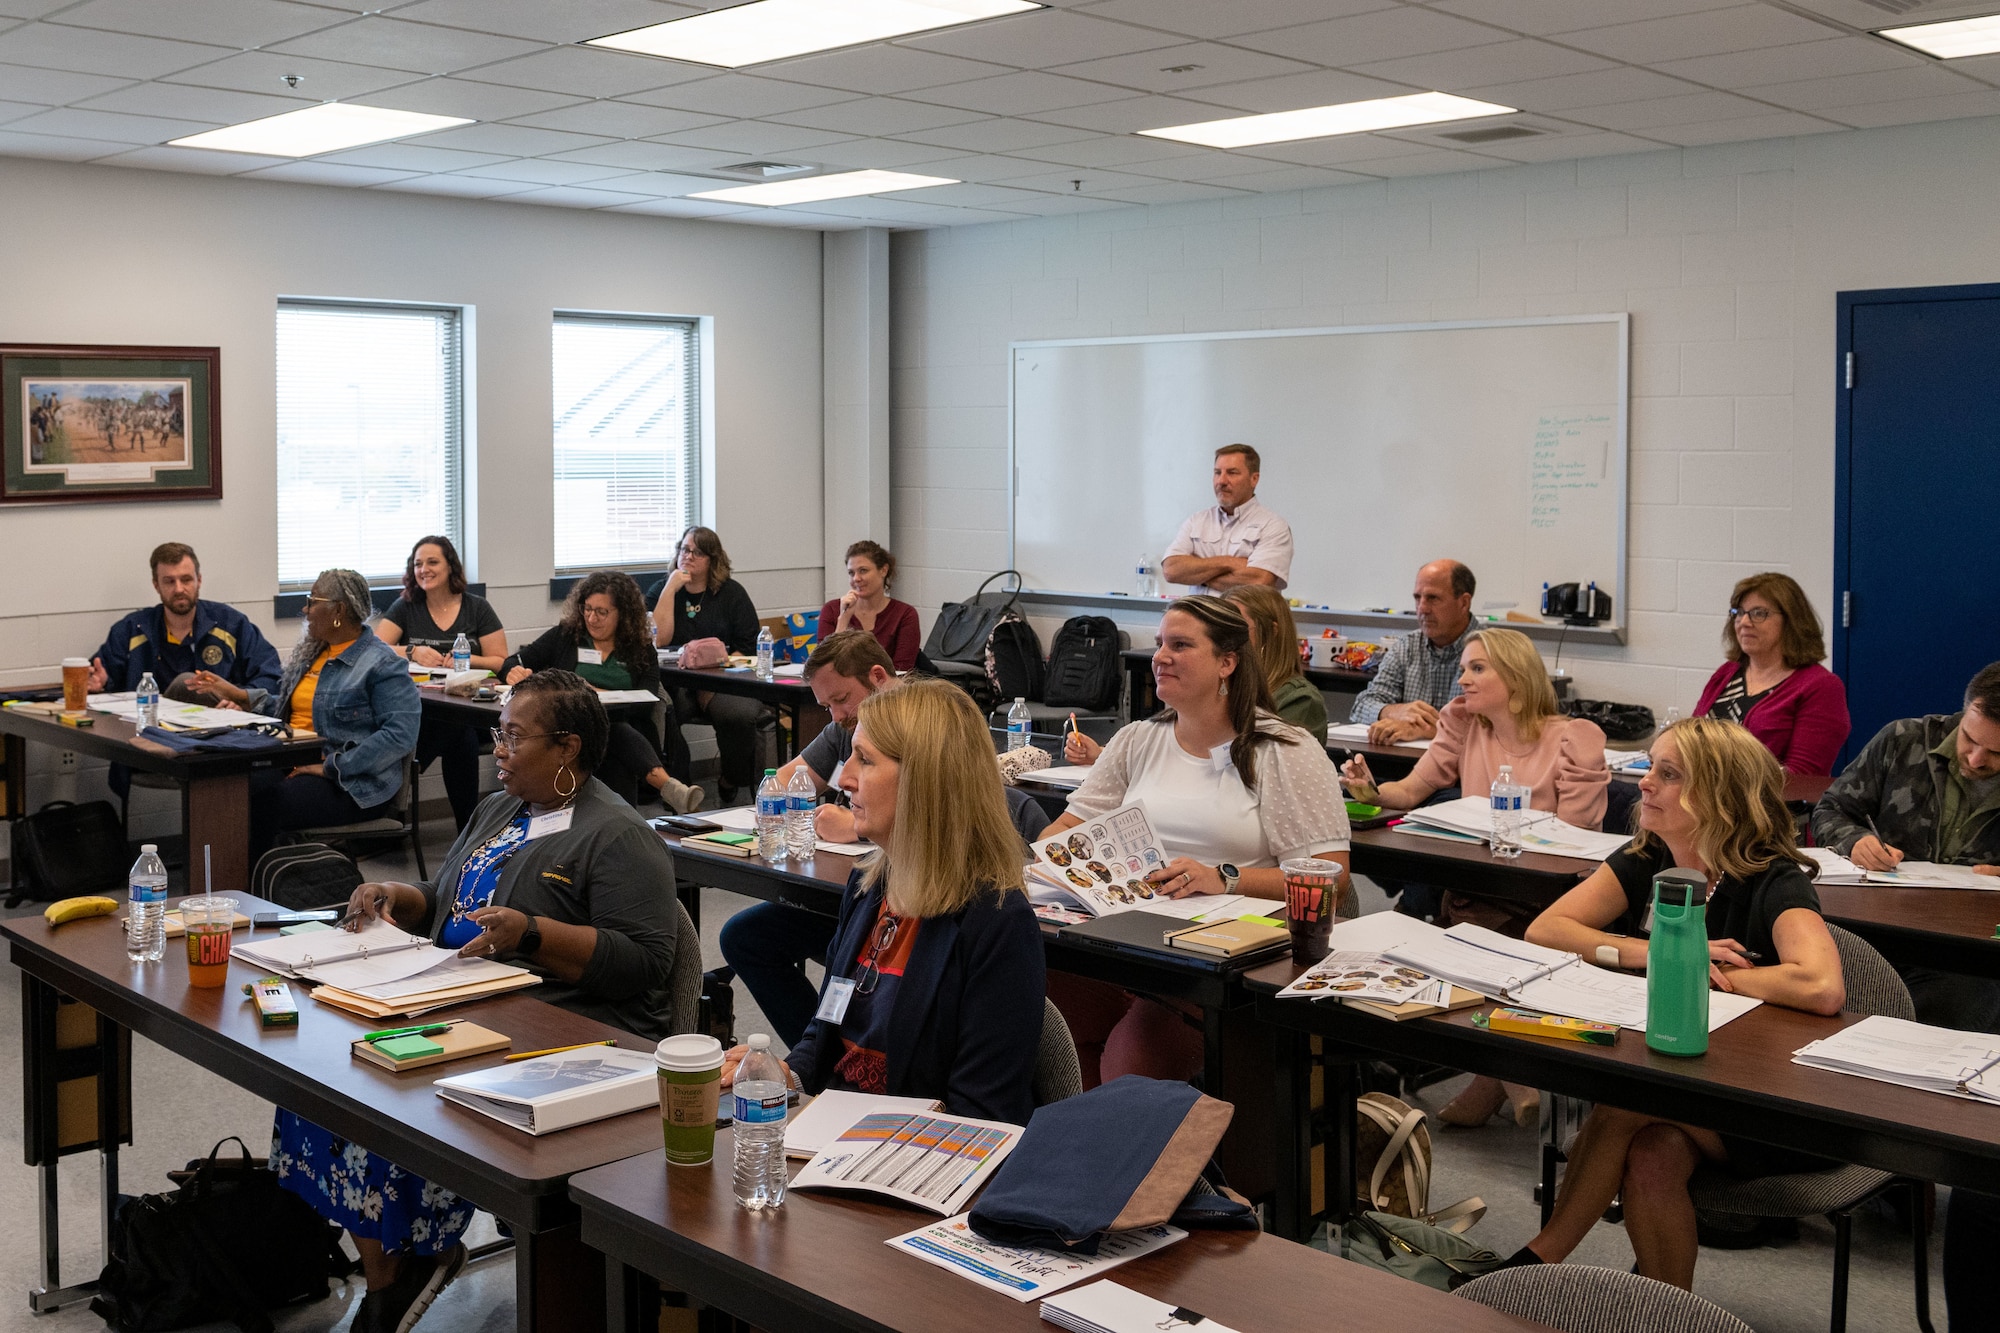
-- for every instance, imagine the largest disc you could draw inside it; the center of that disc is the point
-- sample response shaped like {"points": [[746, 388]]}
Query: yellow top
{"points": [[302, 697]]}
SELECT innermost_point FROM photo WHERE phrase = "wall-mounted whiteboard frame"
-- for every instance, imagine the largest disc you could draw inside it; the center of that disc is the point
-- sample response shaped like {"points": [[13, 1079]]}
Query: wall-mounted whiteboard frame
{"points": [[1617, 326]]}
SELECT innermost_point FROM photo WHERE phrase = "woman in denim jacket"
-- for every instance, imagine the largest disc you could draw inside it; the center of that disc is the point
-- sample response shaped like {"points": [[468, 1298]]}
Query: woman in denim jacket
{"points": [[345, 685]]}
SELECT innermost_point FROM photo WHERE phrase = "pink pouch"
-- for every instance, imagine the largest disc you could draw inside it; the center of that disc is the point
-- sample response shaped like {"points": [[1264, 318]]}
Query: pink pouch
{"points": [[704, 653]]}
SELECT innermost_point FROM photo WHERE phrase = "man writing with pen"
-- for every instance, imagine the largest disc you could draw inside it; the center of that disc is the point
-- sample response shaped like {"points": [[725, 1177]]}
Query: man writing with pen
{"points": [[1928, 789]]}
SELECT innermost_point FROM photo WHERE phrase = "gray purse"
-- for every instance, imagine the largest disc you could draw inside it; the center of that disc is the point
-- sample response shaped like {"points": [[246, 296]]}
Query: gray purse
{"points": [[1415, 1250]]}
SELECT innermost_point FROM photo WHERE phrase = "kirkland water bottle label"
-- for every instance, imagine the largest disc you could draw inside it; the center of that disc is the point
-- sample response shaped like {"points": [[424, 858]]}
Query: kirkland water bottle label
{"points": [[760, 1110]]}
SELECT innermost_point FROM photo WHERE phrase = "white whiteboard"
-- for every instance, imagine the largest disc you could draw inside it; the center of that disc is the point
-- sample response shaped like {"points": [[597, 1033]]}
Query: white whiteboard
{"points": [[1499, 443]]}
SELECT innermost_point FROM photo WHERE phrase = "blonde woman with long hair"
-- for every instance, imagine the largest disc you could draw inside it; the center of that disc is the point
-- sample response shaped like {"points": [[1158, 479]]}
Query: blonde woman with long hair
{"points": [[936, 963], [1712, 803]]}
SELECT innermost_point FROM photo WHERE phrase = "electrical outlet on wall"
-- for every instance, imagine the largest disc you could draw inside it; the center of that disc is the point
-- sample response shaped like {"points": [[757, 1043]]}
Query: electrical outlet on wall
{"points": [[66, 761]]}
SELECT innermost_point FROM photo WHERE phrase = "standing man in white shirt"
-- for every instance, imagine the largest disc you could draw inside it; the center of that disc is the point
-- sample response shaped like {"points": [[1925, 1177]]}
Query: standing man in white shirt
{"points": [[1236, 542]]}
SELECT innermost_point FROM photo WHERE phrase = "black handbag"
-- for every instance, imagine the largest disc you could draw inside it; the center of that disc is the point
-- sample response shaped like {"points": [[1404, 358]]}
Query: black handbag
{"points": [[1619, 722], [960, 632], [70, 851], [230, 1243]]}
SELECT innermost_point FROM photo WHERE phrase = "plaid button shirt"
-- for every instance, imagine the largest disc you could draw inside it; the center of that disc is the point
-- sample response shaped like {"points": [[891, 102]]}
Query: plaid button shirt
{"points": [[1413, 668]]}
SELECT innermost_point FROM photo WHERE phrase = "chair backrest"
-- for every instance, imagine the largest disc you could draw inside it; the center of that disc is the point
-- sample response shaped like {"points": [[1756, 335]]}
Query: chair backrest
{"points": [[1577, 1298], [684, 982], [1621, 802], [1873, 987], [1058, 1073]]}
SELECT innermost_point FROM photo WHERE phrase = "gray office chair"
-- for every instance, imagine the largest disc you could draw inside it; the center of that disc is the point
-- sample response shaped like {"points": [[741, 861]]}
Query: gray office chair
{"points": [[1058, 1073], [684, 982], [1872, 988], [1577, 1298], [401, 822]]}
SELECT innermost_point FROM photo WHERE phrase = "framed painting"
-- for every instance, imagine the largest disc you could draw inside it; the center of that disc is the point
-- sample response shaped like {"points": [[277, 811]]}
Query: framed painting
{"points": [[84, 424]]}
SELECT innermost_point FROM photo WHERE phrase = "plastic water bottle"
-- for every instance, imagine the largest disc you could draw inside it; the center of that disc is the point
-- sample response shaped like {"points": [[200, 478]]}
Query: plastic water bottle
{"points": [[1510, 804], [760, 1127], [800, 798], [1143, 585], [771, 817], [652, 629], [1018, 725], [1677, 965], [149, 701], [146, 914], [461, 654], [764, 653]]}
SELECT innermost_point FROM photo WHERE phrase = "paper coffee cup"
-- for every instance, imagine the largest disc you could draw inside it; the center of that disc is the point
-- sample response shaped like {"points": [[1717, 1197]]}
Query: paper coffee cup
{"points": [[690, 1087]]}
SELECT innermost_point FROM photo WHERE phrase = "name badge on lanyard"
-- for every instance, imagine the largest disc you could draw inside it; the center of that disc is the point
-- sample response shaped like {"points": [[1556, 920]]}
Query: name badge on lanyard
{"points": [[555, 821], [833, 1004]]}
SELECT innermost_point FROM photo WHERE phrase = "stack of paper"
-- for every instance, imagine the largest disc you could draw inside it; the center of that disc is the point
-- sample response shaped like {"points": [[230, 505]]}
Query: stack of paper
{"points": [[1356, 733], [173, 715], [1106, 1307], [1058, 775], [1020, 1271], [1915, 1055], [381, 971], [933, 1161], [1837, 869], [1628, 761], [1360, 974], [1541, 831]]}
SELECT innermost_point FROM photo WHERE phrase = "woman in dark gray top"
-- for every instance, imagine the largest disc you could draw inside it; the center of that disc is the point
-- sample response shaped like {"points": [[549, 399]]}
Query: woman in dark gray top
{"points": [[554, 873]]}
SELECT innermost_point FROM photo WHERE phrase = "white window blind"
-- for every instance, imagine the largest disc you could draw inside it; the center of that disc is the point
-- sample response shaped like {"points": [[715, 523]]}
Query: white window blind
{"points": [[370, 436], [627, 439]]}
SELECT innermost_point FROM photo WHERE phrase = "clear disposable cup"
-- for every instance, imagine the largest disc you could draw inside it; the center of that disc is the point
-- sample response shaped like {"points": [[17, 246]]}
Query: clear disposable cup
{"points": [[1312, 889], [208, 921]]}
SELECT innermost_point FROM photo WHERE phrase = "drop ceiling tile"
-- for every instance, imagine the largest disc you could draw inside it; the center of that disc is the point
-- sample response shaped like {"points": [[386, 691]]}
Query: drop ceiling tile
{"points": [[742, 95], [622, 120], [78, 123], [886, 154], [755, 138], [797, 220], [413, 157], [1324, 87], [88, 51], [574, 197], [1001, 136], [474, 101], [877, 116], [1334, 151], [1433, 162], [53, 87], [197, 161], [395, 44], [264, 72], [1135, 114], [1645, 117], [1562, 147], [238, 24], [1887, 85], [973, 168], [463, 187], [1601, 88], [1116, 150], [30, 9], [639, 155], [326, 173], [588, 71], [1775, 126], [509, 140], [1041, 39], [16, 110], [682, 208], [216, 105], [540, 20], [543, 171], [879, 69], [1173, 192], [1553, 16], [1382, 35], [53, 146], [891, 209], [1293, 178], [663, 184], [1453, 70], [1165, 70], [1207, 18], [1921, 109], [1712, 32], [1984, 68], [975, 196], [1788, 64], [1027, 90], [1094, 182]]}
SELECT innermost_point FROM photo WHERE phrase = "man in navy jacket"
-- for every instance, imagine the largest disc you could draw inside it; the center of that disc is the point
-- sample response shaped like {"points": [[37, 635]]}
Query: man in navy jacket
{"points": [[181, 635]]}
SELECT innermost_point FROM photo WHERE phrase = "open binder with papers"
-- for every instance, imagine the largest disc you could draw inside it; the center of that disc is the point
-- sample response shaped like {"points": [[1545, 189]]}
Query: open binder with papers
{"points": [[1914, 1055], [381, 971], [1472, 817]]}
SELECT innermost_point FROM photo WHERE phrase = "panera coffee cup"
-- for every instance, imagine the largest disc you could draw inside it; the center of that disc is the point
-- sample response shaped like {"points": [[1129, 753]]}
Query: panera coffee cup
{"points": [[690, 1087], [76, 684], [1312, 889]]}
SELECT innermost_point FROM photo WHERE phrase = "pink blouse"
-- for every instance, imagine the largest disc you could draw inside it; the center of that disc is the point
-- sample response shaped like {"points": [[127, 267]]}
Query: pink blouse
{"points": [[1564, 768]]}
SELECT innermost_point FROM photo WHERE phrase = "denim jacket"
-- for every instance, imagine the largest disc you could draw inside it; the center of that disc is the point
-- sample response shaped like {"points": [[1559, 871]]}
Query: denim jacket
{"points": [[366, 709]]}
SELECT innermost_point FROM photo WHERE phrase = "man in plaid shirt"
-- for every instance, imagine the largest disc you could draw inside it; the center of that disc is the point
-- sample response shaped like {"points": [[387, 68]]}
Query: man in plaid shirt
{"points": [[1419, 673]]}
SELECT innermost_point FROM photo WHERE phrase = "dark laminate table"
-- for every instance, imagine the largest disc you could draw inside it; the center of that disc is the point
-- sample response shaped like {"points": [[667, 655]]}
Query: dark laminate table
{"points": [[788, 693]]}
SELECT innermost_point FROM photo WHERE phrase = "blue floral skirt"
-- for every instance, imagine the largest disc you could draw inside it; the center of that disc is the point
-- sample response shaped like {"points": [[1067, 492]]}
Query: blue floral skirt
{"points": [[369, 1195]]}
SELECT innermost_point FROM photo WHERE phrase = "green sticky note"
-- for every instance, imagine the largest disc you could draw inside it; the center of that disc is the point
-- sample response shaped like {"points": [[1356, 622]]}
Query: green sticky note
{"points": [[304, 928], [1263, 921], [408, 1048]]}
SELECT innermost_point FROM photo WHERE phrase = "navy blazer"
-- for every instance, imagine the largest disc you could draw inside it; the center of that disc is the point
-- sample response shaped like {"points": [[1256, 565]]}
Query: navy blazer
{"points": [[968, 1020]]}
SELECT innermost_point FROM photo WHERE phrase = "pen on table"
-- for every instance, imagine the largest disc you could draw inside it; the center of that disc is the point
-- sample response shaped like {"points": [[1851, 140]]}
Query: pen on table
{"points": [[421, 1030], [557, 1050]]}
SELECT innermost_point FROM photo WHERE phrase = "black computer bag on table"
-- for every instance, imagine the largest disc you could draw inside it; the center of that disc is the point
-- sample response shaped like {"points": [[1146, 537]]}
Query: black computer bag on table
{"points": [[305, 877], [1083, 664], [68, 850]]}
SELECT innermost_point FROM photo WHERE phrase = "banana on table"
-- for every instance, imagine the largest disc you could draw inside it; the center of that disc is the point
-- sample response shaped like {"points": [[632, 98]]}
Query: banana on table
{"points": [[76, 909]]}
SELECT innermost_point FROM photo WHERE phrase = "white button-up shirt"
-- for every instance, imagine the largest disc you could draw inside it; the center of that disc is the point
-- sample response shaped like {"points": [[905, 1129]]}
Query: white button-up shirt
{"points": [[1262, 538]]}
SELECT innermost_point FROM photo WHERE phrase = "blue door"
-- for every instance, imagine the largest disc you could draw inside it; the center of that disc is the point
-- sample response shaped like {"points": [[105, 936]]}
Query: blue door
{"points": [[1916, 553]]}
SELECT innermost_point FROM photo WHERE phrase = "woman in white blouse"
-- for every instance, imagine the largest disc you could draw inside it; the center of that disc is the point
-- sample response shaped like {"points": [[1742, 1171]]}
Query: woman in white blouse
{"points": [[1230, 789]]}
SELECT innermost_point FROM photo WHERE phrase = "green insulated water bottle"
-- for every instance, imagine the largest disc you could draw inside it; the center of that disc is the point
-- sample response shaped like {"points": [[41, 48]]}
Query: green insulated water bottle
{"points": [[1677, 965]]}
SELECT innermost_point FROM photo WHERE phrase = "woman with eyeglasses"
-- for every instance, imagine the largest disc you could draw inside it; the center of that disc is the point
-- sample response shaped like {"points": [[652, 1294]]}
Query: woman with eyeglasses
{"points": [[602, 638], [1773, 682], [556, 874], [707, 614], [345, 685], [934, 977]]}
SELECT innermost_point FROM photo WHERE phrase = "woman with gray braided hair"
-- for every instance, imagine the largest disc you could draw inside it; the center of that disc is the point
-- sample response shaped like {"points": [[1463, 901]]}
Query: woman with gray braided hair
{"points": [[346, 686]]}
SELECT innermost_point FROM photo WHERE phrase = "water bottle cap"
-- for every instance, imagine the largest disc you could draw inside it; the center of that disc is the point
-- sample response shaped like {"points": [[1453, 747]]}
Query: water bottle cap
{"points": [[760, 1041], [770, 772], [149, 849]]}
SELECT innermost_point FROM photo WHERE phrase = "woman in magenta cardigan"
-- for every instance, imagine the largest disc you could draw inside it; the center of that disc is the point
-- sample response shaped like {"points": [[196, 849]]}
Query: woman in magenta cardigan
{"points": [[1773, 682], [867, 606]]}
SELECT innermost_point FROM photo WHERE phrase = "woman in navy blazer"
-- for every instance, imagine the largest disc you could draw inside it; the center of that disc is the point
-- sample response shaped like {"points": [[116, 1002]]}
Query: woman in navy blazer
{"points": [[934, 979]]}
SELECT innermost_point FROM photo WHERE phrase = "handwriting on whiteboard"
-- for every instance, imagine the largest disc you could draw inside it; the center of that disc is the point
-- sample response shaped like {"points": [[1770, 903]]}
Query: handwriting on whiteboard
{"points": [[1569, 459]]}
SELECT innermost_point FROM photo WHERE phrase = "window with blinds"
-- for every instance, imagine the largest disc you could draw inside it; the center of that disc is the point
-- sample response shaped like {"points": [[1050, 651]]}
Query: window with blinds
{"points": [[370, 436], [627, 439]]}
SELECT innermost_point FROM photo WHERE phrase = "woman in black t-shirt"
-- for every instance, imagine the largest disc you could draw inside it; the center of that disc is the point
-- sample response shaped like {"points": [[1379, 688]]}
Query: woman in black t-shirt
{"points": [[422, 625], [1713, 803], [700, 601]]}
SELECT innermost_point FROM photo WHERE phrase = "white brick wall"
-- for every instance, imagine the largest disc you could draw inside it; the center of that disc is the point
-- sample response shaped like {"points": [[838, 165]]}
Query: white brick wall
{"points": [[1728, 258]]}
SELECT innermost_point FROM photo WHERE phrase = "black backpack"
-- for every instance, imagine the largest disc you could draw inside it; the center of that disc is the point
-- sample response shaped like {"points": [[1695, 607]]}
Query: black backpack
{"points": [[305, 877], [1083, 664], [69, 850], [230, 1243], [1014, 658]]}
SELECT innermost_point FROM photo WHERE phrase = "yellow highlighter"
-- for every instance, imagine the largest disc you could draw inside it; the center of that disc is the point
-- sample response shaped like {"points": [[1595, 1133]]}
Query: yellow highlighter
{"points": [[1548, 1025]]}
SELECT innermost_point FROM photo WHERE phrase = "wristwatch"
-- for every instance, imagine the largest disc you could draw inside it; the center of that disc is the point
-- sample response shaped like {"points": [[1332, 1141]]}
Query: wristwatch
{"points": [[531, 941], [1230, 874]]}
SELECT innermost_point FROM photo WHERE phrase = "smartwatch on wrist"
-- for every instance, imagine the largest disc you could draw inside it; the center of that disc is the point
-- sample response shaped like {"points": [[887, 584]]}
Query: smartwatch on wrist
{"points": [[1230, 874], [531, 941]]}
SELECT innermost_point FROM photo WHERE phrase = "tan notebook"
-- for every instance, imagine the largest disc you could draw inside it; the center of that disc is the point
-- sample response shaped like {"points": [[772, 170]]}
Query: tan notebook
{"points": [[410, 1006], [175, 929], [1461, 998], [461, 1040], [1230, 939]]}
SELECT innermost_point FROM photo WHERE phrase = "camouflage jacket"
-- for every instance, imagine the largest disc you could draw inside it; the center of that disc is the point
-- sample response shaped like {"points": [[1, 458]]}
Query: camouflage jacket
{"points": [[1899, 783]]}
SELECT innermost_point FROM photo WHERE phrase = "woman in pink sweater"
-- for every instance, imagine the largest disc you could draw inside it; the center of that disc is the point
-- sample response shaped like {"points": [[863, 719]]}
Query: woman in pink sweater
{"points": [[1773, 682]]}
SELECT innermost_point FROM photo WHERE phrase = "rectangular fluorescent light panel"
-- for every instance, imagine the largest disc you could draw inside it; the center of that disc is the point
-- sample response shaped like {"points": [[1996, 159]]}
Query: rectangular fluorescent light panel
{"points": [[319, 129], [775, 29], [841, 185], [1951, 40], [1319, 122]]}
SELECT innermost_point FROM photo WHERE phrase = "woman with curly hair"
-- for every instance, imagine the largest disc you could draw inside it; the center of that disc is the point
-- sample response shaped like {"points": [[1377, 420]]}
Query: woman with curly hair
{"points": [[602, 638]]}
